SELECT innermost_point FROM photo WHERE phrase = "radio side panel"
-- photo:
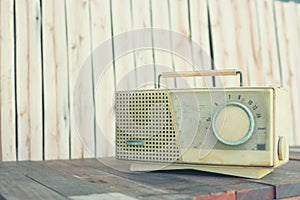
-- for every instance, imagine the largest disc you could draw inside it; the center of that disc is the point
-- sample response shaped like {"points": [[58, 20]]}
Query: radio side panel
{"points": [[281, 126]]}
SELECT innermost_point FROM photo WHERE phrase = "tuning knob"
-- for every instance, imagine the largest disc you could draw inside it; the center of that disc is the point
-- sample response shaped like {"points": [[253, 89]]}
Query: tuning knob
{"points": [[233, 123], [282, 148]]}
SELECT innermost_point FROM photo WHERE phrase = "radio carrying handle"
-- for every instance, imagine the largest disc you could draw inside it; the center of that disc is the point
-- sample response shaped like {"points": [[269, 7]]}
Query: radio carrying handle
{"points": [[223, 72]]}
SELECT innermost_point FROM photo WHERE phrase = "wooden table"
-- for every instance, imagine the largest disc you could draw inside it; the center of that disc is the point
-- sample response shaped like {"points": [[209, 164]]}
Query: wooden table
{"points": [[91, 179]]}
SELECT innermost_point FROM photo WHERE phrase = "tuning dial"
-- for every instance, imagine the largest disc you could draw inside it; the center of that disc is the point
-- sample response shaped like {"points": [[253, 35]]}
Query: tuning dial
{"points": [[233, 123]]}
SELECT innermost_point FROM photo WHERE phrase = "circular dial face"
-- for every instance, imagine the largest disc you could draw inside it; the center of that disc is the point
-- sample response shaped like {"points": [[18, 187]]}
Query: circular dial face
{"points": [[233, 123]]}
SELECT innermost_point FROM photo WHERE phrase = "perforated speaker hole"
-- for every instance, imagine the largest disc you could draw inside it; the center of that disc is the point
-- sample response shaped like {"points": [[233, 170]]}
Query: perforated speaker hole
{"points": [[144, 127]]}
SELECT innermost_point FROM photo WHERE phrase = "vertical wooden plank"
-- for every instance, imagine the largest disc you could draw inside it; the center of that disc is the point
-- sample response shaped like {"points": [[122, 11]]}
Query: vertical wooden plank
{"points": [[225, 29], [0, 82], [56, 103], [180, 23], [8, 132], [243, 36], [160, 17], [79, 49], [296, 95], [29, 90], [266, 70], [124, 66], [200, 36], [288, 30], [141, 18], [104, 89]]}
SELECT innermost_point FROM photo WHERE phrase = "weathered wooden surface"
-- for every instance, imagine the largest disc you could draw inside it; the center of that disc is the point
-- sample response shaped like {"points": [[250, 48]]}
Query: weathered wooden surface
{"points": [[81, 102], [287, 17], [295, 153], [100, 32], [179, 11], [123, 62], [56, 86], [7, 62], [110, 179], [243, 35], [199, 34], [15, 184], [161, 20], [29, 80]]}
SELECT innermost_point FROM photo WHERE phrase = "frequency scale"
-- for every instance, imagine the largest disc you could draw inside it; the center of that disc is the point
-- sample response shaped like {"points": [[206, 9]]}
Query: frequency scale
{"points": [[240, 131]]}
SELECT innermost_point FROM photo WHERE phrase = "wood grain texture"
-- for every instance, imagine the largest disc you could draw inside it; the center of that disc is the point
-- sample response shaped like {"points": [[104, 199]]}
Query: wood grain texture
{"points": [[295, 153], [80, 78], [104, 80], [243, 36], [180, 23], [15, 184], [285, 180], [223, 72], [55, 63], [187, 183], [267, 69], [288, 30], [7, 53], [29, 80], [124, 62], [198, 17], [63, 179], [224, 30], [262, 40], [144, 63], [163, 58], [81, 180]]}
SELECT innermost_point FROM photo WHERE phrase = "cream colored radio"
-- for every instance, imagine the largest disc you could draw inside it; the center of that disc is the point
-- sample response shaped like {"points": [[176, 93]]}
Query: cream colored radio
{"points": [[240, 131]]}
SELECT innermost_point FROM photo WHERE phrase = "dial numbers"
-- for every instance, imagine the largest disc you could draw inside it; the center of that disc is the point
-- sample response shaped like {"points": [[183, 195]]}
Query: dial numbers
{"points": [[198, 108], [256, 107]]}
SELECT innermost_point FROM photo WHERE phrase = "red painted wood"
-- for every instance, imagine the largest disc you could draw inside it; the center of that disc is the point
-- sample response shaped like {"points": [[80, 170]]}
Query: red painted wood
{"points": [[230, 195]]}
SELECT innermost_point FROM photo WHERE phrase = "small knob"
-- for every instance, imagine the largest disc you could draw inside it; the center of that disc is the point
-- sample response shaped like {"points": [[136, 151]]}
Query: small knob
{"points": [[282, 148], [233, 123]]}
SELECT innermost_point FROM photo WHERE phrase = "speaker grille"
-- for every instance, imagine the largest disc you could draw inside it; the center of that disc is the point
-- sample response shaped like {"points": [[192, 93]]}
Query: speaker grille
{"points": [[144, 127]]}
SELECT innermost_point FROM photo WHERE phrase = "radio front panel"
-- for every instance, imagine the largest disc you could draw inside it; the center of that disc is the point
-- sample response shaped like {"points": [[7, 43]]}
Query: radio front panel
{"points": [[144, 127], [232, 126]]}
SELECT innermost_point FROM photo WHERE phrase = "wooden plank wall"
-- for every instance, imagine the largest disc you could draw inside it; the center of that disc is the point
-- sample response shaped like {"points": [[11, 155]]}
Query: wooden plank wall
{"points": [[56, 85], [7, 82], [43, 45], [288, 31], [29, 81], [244, 35], [100, 32]]}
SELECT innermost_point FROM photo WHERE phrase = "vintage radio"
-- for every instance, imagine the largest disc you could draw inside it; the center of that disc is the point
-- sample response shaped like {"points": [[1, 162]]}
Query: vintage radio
{"points": [[240, 131]]}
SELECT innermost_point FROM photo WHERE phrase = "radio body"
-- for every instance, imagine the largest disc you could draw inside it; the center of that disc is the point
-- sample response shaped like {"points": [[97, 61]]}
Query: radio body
{"points": [[238, 131]]}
